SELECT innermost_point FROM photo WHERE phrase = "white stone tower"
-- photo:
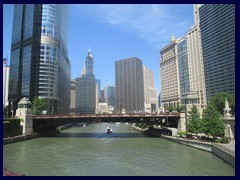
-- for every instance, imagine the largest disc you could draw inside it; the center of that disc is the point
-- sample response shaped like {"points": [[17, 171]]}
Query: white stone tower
{"points": [[24, 112]]}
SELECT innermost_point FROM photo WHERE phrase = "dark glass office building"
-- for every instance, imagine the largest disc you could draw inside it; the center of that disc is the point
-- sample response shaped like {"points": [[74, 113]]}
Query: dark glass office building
{"points": [[217, 24], [109, 94], [129, 85], [39, 55], [183, 68]]}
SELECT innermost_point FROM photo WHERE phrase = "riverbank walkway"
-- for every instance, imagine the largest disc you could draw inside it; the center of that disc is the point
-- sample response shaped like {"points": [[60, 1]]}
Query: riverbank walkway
{"points": [[228, 148]]}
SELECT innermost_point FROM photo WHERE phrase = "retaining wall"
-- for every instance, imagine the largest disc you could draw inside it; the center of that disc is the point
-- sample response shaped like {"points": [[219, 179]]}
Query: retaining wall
{"points": [[19, 138], [224, 153]]}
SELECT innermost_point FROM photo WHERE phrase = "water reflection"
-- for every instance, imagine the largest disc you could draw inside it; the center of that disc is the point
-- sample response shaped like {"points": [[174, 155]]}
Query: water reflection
{"points": [[102, 135]]}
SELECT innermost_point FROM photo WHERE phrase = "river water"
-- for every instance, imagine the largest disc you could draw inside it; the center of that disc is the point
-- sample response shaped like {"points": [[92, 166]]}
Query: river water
{"points": [[89, 151]]}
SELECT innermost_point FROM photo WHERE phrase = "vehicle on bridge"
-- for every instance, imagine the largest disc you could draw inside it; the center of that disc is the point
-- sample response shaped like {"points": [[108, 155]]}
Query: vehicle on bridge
{"points": [[109, 130]]}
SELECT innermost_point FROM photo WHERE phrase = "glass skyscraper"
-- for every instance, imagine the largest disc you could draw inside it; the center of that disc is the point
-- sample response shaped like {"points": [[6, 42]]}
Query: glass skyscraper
{"points": [[183, 67], [217, 24], [39, 55], [109, 94]]}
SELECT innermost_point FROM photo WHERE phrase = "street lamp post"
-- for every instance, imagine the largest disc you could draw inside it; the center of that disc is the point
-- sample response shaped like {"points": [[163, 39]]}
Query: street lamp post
{"points": [[229, 133]]}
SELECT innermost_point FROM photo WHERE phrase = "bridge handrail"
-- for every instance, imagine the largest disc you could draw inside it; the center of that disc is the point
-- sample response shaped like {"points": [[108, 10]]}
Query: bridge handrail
{"points": [[106, 115]]}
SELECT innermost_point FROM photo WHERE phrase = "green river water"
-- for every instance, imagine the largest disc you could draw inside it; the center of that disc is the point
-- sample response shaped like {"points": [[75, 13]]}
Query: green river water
{"points": [[89, 151]]}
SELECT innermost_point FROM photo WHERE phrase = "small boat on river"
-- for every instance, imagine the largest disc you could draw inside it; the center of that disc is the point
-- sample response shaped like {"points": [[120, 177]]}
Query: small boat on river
{"points": [[108, 130]]}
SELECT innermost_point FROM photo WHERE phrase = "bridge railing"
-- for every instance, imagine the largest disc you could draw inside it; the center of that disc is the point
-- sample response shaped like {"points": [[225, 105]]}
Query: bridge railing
{"points": [[105, 115]]}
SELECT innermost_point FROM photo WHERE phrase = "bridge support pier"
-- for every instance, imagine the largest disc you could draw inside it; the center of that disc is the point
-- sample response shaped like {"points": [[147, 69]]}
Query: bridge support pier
{"points": [[24, 112], [182, 122]]}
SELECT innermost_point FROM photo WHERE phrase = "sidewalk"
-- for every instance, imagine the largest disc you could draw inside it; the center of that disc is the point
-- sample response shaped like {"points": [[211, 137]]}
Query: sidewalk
{"points": [[228, 148], [230, 145]]}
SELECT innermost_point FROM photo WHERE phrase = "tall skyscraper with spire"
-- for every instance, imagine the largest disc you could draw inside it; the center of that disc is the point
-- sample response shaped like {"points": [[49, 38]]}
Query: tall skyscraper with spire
{"points": [[39, 55], [86, 88]]}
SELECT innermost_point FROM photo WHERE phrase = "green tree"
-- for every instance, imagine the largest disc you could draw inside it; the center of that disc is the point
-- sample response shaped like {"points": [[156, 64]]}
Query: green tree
{"points": [[194, 122], [5, 111], [180, 108], [213, 125], [170, 108], [218, 102], [39, 105]]}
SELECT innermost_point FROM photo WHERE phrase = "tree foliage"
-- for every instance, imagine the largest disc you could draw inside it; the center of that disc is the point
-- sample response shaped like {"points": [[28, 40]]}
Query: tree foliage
{"points": [[39, 105], [194, 122], [180, 108], [5, 111], [218, 102], [170, 108], [212, 123]]}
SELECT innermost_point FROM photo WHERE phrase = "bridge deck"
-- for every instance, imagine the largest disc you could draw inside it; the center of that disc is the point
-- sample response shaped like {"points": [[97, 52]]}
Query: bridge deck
{"points": [[73, 116]]}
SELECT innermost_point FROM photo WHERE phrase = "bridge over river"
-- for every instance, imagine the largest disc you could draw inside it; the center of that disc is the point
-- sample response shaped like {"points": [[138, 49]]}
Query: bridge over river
{"points": [[51, 122]]}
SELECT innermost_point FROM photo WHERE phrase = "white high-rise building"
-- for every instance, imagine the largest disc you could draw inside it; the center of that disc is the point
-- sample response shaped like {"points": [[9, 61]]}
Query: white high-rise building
{"points": [[170, 87], [5, 85], [196, 69], [97, 98], [150, 96], [185, 57], [73, 97]]}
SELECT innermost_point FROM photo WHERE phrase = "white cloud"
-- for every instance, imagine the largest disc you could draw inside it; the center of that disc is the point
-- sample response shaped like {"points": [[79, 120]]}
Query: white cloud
{"points": [[155, 23]]}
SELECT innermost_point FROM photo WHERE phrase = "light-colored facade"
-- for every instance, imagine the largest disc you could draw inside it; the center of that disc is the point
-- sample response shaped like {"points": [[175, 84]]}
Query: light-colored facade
{"points": [[129, 85], [5, 85], [170, 86], [190, 79], [73, 97], [86, 88], [197, 90], [103, 108], [97, 98], [150, 95]]}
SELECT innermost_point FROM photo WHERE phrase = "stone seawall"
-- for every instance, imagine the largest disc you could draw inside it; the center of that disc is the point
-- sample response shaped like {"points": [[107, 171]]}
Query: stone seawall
{"points": [[194, 143], [66, 126], [19, 138], [224, 153]]}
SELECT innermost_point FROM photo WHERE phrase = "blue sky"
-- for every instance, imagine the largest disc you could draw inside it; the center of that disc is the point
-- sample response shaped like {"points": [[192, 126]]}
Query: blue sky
{"points": [[116, 32]]}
